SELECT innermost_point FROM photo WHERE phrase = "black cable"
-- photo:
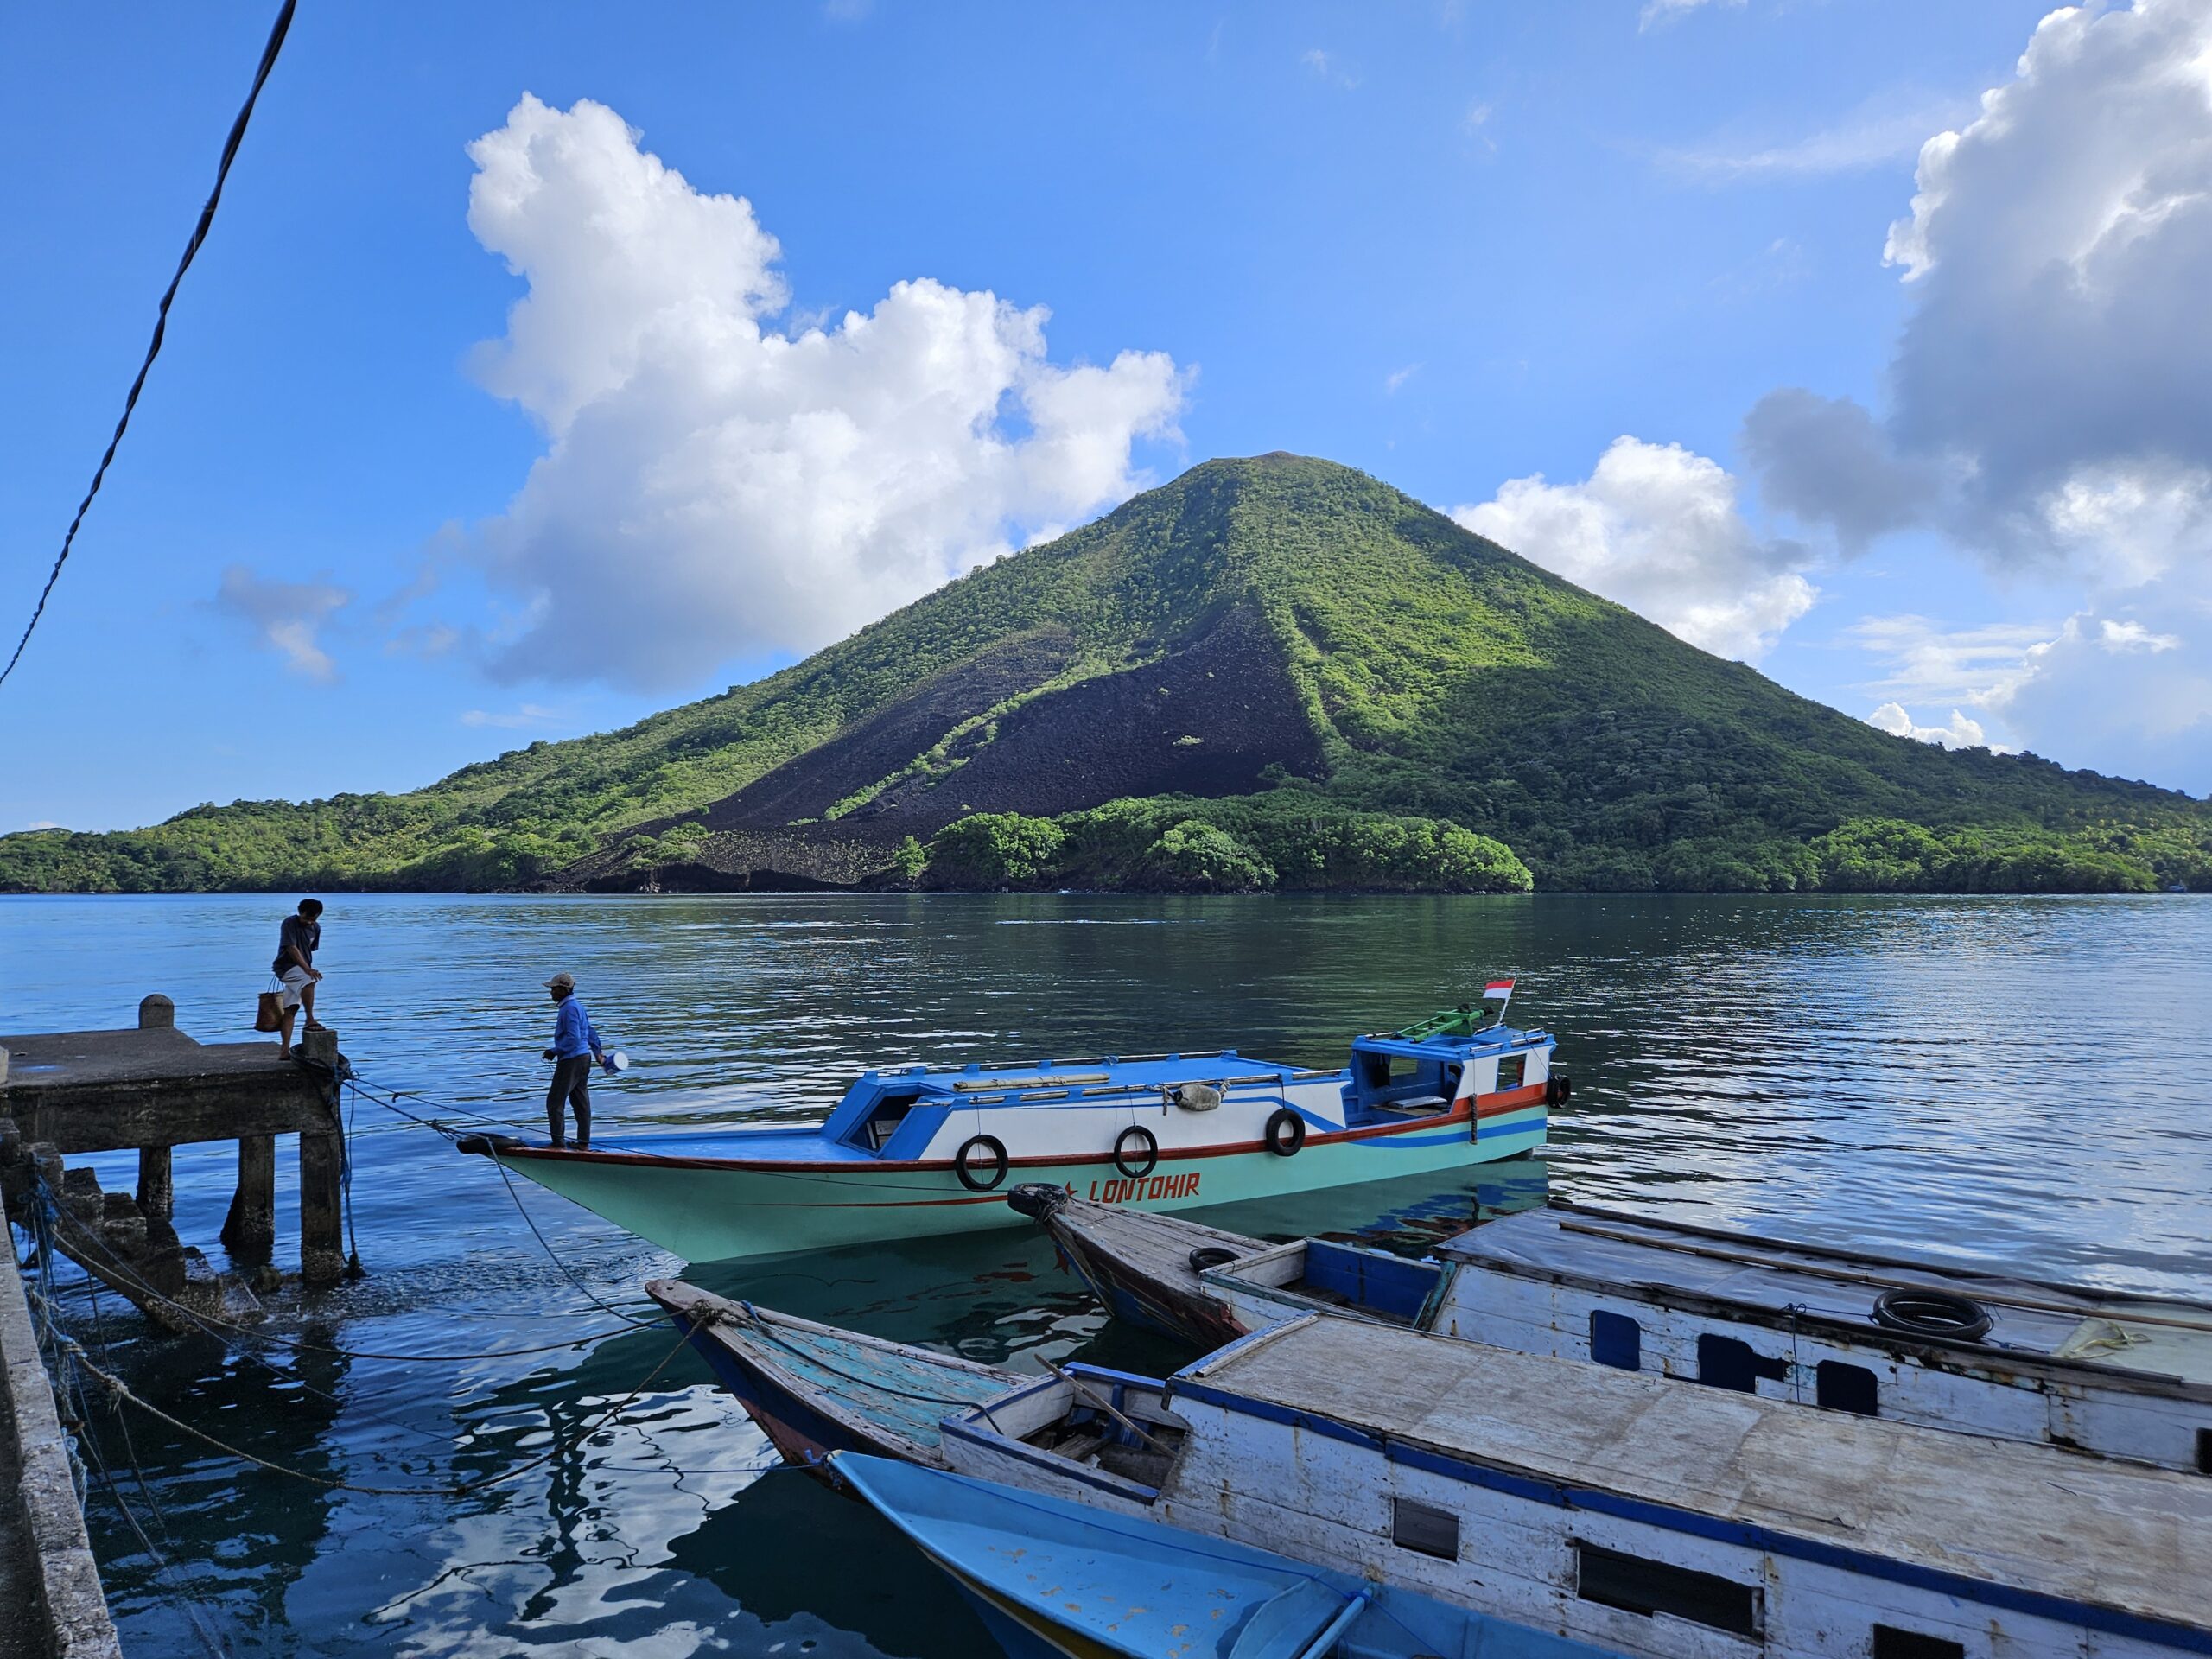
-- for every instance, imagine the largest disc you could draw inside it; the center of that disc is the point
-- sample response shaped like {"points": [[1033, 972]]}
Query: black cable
{"points": [[162, 319]]}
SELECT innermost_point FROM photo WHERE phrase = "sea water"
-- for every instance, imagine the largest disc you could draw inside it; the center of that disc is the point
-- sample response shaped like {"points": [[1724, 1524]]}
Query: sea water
{"points": [[2024, 1082]]}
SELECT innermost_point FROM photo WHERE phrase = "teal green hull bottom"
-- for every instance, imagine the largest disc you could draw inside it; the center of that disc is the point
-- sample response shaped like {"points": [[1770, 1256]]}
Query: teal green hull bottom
{"points": [[716, 1213]]}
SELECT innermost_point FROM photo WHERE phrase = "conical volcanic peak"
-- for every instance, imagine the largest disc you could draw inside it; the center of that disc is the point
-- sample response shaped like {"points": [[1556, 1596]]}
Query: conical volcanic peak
{"points": [[1272, 671]]}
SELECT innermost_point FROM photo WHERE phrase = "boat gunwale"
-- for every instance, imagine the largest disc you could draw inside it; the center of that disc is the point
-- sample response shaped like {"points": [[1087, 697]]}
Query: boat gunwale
{"points": [[1837, 1253], [913, 1166]]}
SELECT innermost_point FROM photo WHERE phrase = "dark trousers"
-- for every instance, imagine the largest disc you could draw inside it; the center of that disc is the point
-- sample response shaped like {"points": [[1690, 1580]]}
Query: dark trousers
{"points": [[571, 1086]]}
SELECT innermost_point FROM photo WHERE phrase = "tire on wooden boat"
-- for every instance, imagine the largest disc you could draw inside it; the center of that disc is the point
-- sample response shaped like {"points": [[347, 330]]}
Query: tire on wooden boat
{"points": [[1148, 1159], [1921, 1310], [969, 1177], [1286, 1132], [1558, 1090], [1211, 1256]]}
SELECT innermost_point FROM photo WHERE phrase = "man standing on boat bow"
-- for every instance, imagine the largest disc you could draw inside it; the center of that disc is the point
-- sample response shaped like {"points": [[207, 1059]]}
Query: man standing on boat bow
{"points": [[575, 1045]]}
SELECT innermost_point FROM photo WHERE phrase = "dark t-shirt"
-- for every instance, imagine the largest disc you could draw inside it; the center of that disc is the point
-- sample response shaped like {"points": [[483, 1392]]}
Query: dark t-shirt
{"points": [[297, 930]]}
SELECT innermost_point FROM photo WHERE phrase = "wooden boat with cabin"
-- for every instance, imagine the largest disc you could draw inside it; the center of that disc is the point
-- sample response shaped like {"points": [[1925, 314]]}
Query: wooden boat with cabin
{"points": [[1941, 1344], [1617, 1508]]}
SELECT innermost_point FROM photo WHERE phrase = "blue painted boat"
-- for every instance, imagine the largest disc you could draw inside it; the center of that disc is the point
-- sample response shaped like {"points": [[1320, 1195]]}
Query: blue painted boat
{"points": [[913, 1151], [1054, 1578]]}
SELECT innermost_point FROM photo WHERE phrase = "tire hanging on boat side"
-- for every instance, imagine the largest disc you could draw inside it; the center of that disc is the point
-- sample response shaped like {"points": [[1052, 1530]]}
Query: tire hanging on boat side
{"points": [[1148, 1159], [1286, 1132], [969, 1178]]}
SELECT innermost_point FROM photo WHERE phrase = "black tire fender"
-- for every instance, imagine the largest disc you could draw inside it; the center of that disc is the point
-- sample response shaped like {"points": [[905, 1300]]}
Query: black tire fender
{"points": [[1559, 1091], [1211, 1256], [969, 1177], [1147, 1160], [1285, 1133], [1922, 1311]]}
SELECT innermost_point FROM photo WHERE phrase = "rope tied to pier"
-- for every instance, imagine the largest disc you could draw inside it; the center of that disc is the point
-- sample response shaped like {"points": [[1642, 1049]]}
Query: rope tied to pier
{"points": [[121, 1391]]}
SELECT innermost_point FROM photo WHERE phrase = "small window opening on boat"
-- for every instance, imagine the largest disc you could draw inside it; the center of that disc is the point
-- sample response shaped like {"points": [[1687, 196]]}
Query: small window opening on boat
{"points": [[1424, 1528], [1840, 1387], [1511, 1069], [1890, 1642], [1616, 1340], [2205, 1451], [875, 1132], [1725, 1362], [1635, 1586], [1400, 1083]]}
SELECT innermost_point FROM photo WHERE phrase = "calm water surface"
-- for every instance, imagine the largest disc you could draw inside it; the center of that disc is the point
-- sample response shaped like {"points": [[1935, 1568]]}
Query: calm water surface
{"points": [[2016, 1081]]}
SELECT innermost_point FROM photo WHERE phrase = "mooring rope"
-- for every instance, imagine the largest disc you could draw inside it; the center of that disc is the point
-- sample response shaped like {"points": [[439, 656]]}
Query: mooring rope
{"points": [[211, 1322], [122, 1390]]}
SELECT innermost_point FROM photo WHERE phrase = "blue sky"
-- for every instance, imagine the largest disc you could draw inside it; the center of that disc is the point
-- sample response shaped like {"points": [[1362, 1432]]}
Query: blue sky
{"points": [[366, 530]]}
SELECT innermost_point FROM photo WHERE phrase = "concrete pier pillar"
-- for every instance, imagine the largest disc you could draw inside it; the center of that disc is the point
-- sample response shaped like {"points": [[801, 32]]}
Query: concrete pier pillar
{"points": [[156, 1189], [250, 1230], [157, 1013], [322, 1249]]}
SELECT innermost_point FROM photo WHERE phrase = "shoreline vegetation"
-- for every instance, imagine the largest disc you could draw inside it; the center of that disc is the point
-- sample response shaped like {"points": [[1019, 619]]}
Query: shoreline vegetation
{"points": [[1272, 674]]}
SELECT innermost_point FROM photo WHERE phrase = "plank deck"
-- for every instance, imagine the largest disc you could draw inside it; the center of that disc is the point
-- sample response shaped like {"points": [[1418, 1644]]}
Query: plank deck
{"points": [[1145, 1243], [2026, 1517]]}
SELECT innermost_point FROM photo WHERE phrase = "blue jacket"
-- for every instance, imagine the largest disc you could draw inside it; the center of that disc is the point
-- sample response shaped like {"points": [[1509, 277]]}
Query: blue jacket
{"points": [[572, 1030]]}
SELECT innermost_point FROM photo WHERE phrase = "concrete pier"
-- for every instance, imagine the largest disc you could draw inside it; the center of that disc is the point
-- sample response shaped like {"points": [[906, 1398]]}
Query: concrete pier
{"points": [[152, 1088]]}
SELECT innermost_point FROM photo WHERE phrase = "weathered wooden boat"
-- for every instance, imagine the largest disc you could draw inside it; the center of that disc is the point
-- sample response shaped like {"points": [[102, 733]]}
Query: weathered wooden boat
{"points": [[1620, 1508], [815, 1389], [1943, 1346], [1053, 1578], [915, 1152]]}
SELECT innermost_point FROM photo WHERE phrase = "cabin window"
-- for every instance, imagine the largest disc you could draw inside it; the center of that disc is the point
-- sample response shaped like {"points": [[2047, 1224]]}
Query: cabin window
{"points": [[1725, 1362], [1840, 1387], [1890, 1642], [1424, 1528], [1616, 1340], [882, 1123], [2205, 1451], [1635, 1586], [1511, 1069]]}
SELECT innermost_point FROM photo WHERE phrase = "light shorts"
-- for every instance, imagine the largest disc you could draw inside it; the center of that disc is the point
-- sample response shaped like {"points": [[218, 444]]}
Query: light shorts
{"points": [[293, 981]]}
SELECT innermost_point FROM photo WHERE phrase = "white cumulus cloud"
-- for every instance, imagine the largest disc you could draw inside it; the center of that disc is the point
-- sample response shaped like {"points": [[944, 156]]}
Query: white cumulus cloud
{"points": [[1960, 733], [287, 616], [2051, 389], [714, 487], [2109, 692], [1656, 528]]}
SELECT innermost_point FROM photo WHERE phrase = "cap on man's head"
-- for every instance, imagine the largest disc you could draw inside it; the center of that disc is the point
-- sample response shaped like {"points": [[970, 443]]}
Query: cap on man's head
{"points": [[561, 982]]}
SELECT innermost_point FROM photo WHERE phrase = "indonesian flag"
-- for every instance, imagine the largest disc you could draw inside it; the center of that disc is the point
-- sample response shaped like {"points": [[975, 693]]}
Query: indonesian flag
{"points": [[1500, 988]]}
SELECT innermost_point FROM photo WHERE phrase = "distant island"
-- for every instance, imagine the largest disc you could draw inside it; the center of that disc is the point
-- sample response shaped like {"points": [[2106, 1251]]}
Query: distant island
{"points": [[1270, 674]]}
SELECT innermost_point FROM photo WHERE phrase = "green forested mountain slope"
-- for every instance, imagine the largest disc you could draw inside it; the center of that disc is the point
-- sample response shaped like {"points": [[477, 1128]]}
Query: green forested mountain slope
{"points": [[1275, 672]]}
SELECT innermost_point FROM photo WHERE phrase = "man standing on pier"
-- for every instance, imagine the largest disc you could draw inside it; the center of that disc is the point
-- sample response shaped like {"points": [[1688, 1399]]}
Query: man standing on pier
{"points": [[297, 940], [576, 1046]]}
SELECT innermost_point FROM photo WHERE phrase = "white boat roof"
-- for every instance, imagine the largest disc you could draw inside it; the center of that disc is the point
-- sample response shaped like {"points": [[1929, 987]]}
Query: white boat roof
{"points": [[2024, 1518], [1640, 1257]]}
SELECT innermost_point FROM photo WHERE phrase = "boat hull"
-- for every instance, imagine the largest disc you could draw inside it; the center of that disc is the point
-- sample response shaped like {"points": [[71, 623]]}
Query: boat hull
{"points": [[711, 1209]]}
